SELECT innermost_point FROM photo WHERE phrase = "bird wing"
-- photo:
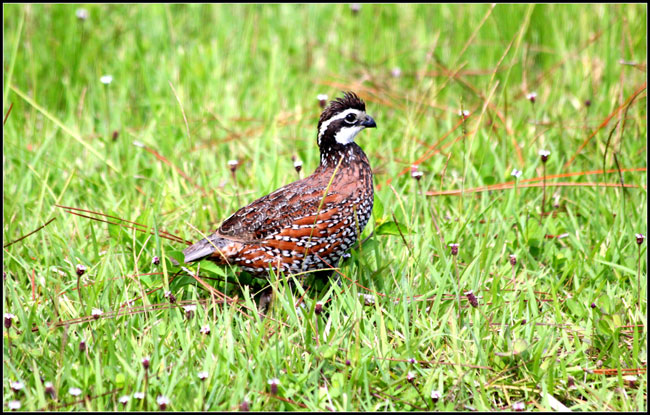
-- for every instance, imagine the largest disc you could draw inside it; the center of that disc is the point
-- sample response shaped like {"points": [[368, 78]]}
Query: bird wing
{"points": [[297, 201]]}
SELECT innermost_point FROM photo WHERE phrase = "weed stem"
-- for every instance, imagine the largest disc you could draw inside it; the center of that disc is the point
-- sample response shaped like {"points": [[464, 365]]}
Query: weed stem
{"points": [[460, 312], [638, 277], [543, 188]]}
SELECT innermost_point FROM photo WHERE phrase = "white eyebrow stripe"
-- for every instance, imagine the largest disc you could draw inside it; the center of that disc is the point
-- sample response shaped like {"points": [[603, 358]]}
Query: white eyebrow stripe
{"points": [[342, 115]]}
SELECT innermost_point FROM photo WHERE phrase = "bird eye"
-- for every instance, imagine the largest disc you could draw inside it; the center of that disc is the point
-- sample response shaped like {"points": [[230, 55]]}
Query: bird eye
{"points": [[350, 118]]}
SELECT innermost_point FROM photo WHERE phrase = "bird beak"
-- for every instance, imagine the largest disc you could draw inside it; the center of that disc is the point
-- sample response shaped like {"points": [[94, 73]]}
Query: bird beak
{"points": [[369, 122]]}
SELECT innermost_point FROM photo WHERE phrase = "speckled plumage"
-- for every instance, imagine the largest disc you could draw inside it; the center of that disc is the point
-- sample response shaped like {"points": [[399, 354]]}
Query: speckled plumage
{"points": [[310, 223]]}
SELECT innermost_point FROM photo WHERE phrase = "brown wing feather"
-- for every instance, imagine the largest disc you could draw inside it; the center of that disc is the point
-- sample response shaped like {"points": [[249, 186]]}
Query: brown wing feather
{"points": [[279, 209]]}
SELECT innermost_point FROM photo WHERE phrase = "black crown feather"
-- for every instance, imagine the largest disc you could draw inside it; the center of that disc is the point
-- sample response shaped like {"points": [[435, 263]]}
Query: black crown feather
{"points": [[349, 100]]}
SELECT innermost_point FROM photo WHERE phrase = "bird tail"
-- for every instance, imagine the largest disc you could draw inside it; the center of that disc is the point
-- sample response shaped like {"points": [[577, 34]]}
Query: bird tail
{"points": [[198, 251], [213, 248]]}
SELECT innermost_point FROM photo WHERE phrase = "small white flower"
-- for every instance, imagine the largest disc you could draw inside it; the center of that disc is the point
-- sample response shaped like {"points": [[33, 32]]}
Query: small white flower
{"points": [[463, 113], [297, 163], [274, 385], [124, 399], [14, 405], [544, 153], [106, 79], [322, 97], [355, 7], [17, 385], [233, 163], [138, 395], [518, 406], [74, 391], [412, 360], [415, 173], [162, 402], [96, 312], [435, 395], [9, 318], [82, 14], [205, 330], [396, 72], [410, 376], [189, 310], [531, 96], [368, 299], [203, 375], [516, 173]]}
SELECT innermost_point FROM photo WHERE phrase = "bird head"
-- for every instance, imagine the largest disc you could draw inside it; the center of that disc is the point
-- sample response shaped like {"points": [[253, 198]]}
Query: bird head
{"points": [[342, 120]]}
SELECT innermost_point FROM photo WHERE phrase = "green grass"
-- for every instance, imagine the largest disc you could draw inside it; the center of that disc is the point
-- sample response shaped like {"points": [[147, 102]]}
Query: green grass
{"points": [[201, 85]]}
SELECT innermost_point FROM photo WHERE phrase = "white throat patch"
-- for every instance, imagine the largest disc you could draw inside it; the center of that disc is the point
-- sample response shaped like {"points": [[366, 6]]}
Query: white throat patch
{"points": [[346, 134]]}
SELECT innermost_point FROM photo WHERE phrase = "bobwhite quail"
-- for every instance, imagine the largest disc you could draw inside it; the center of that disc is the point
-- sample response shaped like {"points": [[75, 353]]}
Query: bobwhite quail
{"points": [[309, 224]]}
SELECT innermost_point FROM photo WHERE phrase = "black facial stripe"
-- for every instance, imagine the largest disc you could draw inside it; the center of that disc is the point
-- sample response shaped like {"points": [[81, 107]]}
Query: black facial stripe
{"points": [[333, 128]]}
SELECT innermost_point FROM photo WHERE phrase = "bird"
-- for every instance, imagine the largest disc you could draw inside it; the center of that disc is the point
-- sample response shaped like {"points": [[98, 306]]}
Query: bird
{"points": [[309, 224]]}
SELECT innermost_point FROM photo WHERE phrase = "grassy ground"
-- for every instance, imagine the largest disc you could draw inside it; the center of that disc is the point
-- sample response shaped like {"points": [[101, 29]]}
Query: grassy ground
{"points": [[197, 86]]}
